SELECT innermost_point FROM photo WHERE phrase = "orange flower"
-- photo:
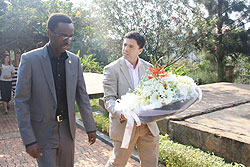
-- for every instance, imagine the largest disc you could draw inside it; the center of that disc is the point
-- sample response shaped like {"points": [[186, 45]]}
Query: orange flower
{"points": [[78, 14], [157, 72]]}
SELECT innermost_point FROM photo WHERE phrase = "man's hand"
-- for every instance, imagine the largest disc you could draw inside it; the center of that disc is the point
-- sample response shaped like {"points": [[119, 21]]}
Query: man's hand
{"points": [[123, 118], [34, 150], [92, 137], [7, 76]]}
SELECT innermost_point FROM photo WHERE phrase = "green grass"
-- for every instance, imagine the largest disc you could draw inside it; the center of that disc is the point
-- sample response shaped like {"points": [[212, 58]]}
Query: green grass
{"points": [[94, 104], [101, 121]]}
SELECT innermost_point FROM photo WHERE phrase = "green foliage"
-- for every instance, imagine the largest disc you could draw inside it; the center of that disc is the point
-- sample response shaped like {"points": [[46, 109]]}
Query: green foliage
{"points": [[182, 68], [20, 25], [173, 30], [204, 74], [164, 23], [24, 26], [102, 122], [219, 34], [178, 155], [94, 104], [242, 70], [89, 64], [88, 39]]}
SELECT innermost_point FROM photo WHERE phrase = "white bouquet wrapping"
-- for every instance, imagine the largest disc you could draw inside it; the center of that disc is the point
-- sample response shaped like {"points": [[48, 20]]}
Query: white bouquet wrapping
{"points": [[159, 95]]}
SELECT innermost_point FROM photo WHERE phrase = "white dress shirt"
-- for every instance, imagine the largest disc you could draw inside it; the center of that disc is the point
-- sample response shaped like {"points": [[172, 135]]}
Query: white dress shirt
{"points": [[134, 72]]}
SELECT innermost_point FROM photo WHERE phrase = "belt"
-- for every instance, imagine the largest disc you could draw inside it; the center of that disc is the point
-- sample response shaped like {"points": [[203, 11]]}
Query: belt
{"points": [[61, 117]]}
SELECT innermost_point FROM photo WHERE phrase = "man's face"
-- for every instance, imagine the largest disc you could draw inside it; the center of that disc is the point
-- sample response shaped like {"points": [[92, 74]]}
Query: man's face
{"points": [[131, 50], [7, 59], [57, 37]]}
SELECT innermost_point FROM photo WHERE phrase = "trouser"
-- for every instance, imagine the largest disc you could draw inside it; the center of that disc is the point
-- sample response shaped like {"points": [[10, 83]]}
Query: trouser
{"points": [[59, 152], [147, 147]]}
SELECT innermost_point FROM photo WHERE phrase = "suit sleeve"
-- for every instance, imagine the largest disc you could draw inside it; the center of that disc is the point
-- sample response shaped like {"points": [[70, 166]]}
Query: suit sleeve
{"points": [[82, 100], [22, 101], [110, 86]]}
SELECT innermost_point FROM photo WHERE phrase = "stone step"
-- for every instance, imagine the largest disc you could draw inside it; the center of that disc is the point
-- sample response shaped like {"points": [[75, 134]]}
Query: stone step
{"points": [[220, 123]]}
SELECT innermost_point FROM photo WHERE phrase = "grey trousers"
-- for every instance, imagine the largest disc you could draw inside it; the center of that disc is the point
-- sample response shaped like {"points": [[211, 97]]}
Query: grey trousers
{"points": [[59, 152]]}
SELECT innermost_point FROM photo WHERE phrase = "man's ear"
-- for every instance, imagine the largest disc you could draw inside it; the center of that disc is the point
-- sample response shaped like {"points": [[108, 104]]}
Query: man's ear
{"points": [[140, 51]]}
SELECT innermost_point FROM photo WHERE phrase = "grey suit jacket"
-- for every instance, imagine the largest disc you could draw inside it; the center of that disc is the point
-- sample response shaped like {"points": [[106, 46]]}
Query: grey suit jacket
{"points": [[35, 100], [117, 82]]}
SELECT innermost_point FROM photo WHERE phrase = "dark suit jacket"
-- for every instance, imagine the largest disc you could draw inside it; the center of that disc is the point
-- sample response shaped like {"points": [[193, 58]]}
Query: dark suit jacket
{"points": [[35, 100]]}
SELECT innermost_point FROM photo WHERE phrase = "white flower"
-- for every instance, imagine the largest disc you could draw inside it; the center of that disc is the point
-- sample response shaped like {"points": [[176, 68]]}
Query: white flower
{"points": [[168, 98], [155, 100]]}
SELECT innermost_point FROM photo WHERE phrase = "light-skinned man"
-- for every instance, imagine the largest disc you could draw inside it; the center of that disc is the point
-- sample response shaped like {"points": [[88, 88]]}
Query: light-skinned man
{"points": [[120, 76]]}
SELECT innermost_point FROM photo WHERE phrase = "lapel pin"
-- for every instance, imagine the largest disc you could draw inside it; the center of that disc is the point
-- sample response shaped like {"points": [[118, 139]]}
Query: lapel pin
{"points": [[69, 61]]}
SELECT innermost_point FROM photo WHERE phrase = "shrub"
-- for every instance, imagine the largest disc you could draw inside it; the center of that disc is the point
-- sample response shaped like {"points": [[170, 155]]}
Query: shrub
{"points": [[178, 155], [204, 74], [89, 64], [94, 104], [102, 123]]}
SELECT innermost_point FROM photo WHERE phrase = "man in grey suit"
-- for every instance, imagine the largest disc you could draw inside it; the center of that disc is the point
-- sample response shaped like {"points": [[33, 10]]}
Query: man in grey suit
{"points": [[120, 76], [50, 80]]}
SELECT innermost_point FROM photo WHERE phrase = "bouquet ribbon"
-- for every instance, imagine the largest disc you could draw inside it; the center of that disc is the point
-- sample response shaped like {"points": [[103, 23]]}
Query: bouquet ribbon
{"points": [[131, 118]]}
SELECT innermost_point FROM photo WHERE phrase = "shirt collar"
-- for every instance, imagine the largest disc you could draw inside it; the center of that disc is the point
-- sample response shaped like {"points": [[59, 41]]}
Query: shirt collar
{"points": [[63, 55], [130, 66]]}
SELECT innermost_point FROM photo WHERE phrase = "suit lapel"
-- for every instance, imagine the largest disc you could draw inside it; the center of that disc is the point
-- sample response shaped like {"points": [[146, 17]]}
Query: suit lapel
{"points": [[124, 69], [142, 70], [45, 60]]}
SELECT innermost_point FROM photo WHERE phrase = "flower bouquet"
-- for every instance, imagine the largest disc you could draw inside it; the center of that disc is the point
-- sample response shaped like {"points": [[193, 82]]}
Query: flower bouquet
{"points": [[159, 95]]}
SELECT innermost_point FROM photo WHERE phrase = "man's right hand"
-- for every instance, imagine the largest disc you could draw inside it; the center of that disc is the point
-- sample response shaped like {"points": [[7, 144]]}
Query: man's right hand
{"points": [[123, 118], [34, 150]]}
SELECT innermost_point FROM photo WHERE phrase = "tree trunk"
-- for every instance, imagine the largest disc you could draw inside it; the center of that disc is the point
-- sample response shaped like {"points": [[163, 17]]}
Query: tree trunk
{"points": [[220, 68], [219, 52]]}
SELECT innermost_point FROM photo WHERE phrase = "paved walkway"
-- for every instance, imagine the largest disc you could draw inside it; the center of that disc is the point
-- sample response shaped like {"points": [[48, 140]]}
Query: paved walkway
{"points": [[12, 152]]}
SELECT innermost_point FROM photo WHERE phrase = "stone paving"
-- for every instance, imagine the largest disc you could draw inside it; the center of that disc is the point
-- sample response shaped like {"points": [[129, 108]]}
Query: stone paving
{"points": [[12, 151]]}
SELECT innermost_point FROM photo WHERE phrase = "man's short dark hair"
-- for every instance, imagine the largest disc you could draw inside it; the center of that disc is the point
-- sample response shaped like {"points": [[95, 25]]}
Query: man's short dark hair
{"points": [[56, 18], [140, 39]]}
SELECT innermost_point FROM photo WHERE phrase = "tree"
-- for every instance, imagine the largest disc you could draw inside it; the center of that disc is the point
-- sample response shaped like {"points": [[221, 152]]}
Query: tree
{"points": [[219, 34], [164, 23], [87, 36], [20, 25]]}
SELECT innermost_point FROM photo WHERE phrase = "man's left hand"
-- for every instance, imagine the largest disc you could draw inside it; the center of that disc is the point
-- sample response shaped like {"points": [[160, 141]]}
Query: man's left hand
{"points": [[92, 137]]}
